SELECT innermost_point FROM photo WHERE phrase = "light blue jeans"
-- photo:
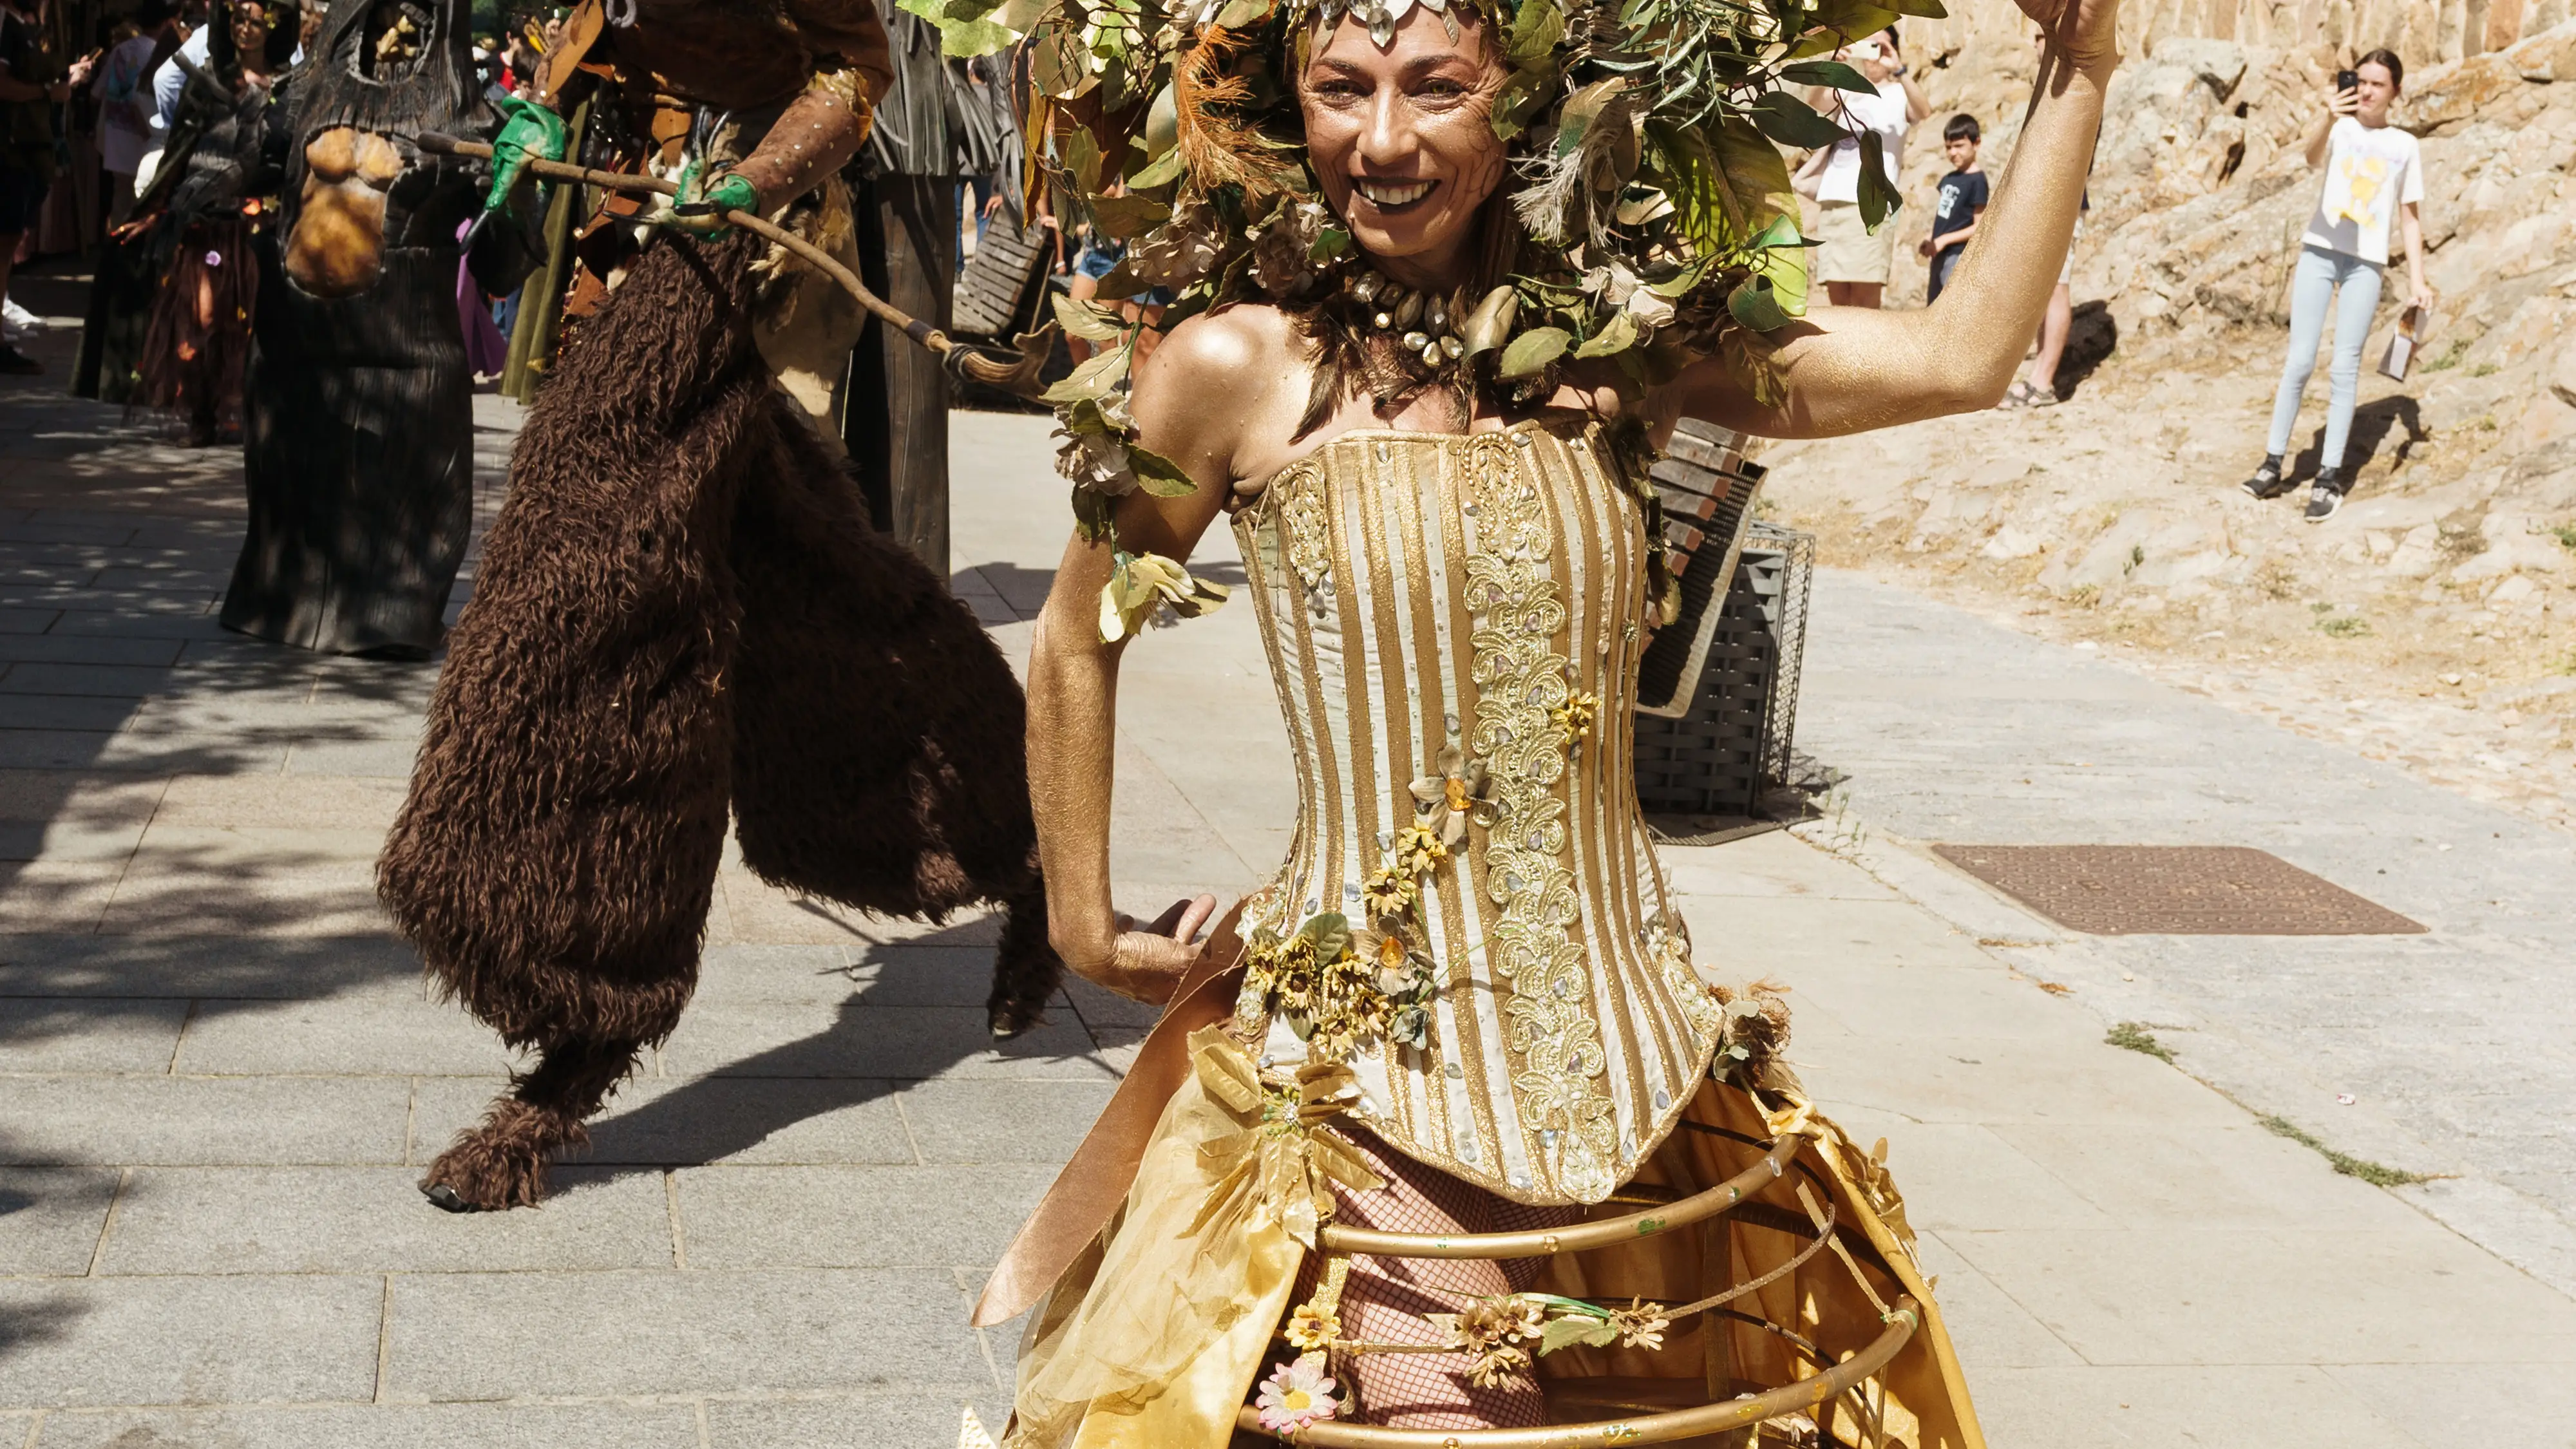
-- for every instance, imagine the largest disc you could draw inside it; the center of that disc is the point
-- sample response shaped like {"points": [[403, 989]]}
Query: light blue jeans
{"points": [[2351, 287]]}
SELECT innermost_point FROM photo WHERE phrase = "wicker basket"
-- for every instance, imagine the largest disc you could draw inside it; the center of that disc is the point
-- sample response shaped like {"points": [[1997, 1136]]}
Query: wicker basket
{"points": [[1731, 746]]}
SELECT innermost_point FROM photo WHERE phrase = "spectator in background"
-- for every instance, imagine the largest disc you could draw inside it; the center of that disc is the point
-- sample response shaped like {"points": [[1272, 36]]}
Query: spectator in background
{"points": [[1958, 202], [2374, 176], [125, 102], [1851, 262], [32, 82]]}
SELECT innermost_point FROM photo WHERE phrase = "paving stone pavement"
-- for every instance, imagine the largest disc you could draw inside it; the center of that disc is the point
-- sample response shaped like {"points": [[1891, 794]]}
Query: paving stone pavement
{"points": [[2451, 1052], [219, 1076]]}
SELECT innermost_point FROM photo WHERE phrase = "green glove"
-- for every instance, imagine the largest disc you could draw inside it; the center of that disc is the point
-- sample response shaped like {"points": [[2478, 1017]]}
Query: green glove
{"points": [[702, 213], [527, 130]]}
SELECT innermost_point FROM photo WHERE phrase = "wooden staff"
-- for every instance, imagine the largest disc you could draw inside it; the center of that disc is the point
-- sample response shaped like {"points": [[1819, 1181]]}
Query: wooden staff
{"points": [[991, 366]]}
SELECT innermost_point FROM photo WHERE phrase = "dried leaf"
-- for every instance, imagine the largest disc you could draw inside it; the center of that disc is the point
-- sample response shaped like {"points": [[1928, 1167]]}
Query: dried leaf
{"points": [[1082, 319], [1124, 217]]}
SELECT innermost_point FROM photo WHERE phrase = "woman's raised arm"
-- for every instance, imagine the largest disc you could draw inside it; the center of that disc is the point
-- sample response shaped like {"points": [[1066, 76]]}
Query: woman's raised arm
{"points": [[1851, 369]]}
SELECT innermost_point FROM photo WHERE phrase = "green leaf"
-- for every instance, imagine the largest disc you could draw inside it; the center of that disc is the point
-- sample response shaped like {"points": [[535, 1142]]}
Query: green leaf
{"points": [[1331, 242], [1782, 262], [1525, 93], [1244, 14], [1533, 350], [1829, 73], [1059, 65], [1165, 170], [1082, 159], [1850, 19], [1082, 319], [1756, 304], [1877, 194], [1792, 122], [1925, 9], [1127, 217], [1619, 336], [1159, 475], [1094, 514], [1568, 1331], [1331, 933], [1753, 176], [1536, 29]]}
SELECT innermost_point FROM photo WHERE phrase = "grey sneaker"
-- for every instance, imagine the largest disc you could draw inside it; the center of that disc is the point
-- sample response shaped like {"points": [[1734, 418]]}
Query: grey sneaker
{"points": [[2267, 481], [2326, 494]]}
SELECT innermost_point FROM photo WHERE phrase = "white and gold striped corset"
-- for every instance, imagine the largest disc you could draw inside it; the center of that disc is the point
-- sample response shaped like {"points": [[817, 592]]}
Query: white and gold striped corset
{"points": [[1482, 594]]}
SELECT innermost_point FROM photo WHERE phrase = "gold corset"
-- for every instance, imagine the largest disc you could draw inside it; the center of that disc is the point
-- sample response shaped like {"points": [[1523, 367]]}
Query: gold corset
{"points": [[1463, 613]]}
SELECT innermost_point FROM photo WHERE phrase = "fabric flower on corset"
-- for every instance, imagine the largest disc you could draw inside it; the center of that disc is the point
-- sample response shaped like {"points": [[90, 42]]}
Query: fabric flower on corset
{"points": [[1407, 979], [1575, 716], [1498, 1366], [1457, 786], [1640, 1324], [1419, 849], [1295, 1395], [1313, 1327], [1388, 892]]}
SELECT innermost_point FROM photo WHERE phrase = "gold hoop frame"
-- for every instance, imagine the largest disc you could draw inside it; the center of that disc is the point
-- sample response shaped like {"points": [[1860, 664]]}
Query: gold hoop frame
{"points": [[1831, 1381]]}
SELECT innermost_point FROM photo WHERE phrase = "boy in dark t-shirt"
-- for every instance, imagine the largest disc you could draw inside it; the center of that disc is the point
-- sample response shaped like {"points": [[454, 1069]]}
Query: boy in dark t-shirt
{"points": [[1960, 200]]}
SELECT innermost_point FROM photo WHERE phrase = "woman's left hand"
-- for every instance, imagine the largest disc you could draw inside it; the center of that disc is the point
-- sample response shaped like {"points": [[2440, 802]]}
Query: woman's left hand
{"points": [[2420, 297], [2086, 31]]}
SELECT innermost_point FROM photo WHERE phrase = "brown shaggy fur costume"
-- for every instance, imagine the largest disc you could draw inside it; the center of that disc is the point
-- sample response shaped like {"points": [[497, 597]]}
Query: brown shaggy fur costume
{"points": [[681, 608]]}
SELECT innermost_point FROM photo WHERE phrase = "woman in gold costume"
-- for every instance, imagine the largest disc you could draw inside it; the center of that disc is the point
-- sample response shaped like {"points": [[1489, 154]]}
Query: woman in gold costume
{"points": [[1446, 1135]]}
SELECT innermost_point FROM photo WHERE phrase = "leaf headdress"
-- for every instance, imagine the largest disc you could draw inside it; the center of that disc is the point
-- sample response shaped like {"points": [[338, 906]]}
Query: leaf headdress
{"points": [[1648, 220]]}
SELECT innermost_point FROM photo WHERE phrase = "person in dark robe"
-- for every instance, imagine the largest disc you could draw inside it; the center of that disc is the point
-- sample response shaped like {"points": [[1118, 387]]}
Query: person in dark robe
{"points": [[359, 438]]}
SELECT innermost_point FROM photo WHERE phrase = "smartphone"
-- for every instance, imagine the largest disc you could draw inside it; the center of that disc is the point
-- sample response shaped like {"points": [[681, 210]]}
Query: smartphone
{"points": [[2347, 80]]}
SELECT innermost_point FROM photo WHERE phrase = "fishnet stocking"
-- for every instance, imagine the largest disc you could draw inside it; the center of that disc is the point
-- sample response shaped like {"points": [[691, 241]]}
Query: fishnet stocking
{"points": [[1384, 1299]]}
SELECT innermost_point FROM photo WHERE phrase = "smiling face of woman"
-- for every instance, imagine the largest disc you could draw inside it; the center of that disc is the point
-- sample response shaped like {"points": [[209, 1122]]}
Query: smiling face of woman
{"points": [[1402, 139]]}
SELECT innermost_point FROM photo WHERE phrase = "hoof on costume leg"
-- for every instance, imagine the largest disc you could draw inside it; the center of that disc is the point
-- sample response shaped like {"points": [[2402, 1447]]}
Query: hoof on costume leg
{"points": [[1026, 970], [501, 1164], [1009, 1018]]}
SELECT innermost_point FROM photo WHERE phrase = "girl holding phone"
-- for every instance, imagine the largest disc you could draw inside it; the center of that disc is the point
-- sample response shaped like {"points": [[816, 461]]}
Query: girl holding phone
{"points": [[2374, 175]]}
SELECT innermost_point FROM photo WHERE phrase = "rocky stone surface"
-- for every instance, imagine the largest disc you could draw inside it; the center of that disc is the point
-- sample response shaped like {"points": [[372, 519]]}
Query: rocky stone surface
{"points": [[2433, 621]]}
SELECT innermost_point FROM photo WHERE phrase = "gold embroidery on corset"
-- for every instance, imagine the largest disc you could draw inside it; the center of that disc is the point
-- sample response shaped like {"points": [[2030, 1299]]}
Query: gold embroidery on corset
{"points": [[1521, 684], [1310, 538]]}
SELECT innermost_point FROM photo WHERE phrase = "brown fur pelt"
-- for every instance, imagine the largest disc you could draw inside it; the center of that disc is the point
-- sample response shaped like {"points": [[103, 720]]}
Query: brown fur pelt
{"points": [[682, 612]]}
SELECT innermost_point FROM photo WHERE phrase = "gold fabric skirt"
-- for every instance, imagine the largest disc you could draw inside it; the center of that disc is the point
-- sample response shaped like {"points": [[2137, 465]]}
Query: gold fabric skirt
{"points": [[1154, 1336]]}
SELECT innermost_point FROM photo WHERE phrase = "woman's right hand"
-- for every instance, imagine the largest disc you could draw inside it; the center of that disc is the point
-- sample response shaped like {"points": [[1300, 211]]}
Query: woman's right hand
{"points": [[2342, 103]]}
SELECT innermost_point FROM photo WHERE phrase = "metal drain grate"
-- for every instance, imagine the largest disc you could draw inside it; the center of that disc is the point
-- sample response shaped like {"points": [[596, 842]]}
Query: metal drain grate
{"points": [[2178, 890]]}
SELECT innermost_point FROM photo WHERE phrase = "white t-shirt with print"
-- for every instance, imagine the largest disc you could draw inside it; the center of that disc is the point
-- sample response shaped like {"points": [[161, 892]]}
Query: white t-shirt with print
{"points": [[1883, 113], [2369, 173]]}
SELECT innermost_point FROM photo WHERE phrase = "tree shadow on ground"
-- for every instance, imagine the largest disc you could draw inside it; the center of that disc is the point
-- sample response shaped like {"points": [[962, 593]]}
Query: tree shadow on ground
{"points": [[2372, 422], [2091, 337], [27, 1320]]}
